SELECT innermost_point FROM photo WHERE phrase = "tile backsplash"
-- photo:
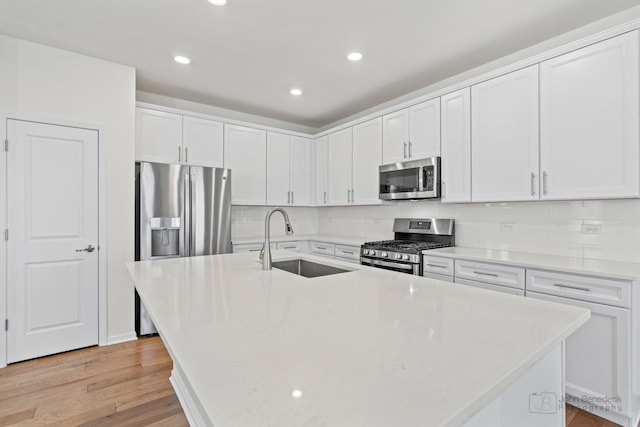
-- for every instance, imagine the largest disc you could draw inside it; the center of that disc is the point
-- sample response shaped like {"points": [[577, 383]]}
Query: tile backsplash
{"points": [[601, 229]]}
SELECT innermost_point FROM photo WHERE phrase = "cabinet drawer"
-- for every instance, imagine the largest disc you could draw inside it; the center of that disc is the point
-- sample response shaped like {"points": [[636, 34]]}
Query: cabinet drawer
{"points": [[438, 265], [497, 288], [349, 252], [322, 248], [502, 275], [250, 247], [585, 288], [292, 246], [437, 276]]}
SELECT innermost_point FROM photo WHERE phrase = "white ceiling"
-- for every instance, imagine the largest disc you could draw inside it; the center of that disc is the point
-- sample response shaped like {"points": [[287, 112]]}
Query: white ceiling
{"points": [[248, 54]]}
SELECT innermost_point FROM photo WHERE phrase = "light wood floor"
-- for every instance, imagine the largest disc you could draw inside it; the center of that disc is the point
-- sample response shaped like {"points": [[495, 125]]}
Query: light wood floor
{"points": [[119, 385]]}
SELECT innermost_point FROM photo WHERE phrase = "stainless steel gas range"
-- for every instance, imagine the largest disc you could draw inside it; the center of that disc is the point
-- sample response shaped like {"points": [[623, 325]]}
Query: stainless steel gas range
{"points": [[411, 237]]}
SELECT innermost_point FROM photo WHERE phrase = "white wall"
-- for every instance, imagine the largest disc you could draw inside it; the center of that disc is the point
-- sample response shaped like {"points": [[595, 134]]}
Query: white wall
{"points": [[51, 83], [540, 227], [247, 222]]}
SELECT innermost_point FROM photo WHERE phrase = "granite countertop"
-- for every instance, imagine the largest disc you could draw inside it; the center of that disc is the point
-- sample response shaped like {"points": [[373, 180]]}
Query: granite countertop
{"points": [[368, 347], [612, 269]]}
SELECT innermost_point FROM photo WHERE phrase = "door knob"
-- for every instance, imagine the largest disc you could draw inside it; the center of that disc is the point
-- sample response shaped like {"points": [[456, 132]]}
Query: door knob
{"points": [[89, 248]]}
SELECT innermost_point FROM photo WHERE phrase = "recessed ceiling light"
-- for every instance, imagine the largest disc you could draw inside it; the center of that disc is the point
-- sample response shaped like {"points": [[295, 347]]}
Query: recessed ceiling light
{"points": [[354, 56], [218, 2], [182, 59], [296, 91]]}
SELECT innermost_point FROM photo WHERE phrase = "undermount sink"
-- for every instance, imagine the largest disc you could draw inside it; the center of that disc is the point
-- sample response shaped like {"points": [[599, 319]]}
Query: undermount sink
{"points": [[305, 268]]}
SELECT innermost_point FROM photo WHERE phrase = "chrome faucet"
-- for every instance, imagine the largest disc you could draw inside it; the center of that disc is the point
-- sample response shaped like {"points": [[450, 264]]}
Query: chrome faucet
{"points": [[265, 253]]}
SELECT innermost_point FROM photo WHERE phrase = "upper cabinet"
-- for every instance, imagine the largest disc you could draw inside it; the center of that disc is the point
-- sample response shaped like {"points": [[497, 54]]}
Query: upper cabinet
{"points": [[172, 138], [589, 121], [412, 133], [288, 170], [456, 146], [367, 157], [504, 137], [320, 154], [202, 142], [158, 136], [245, 153], [339, 164]]}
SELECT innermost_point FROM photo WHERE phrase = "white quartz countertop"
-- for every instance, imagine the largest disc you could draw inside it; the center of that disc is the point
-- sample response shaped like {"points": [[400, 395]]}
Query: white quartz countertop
{"points": [[594, 267], [340, 240], [365, 348]]}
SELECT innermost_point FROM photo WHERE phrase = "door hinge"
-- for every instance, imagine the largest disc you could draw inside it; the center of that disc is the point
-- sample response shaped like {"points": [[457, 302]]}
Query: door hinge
{"points": [[6, 234], [6, 144]]}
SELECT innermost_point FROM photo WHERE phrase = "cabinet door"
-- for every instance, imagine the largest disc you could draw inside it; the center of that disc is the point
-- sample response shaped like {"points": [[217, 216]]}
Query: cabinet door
{"points": [[278, 158], [456, 146], [245, 153], [395, 137], [504, 137], [597, 361], [424, 130], [202, 141], [321, 170], [300, 171], [158, 136], [589, 121], [339, 167], [367, 157]]}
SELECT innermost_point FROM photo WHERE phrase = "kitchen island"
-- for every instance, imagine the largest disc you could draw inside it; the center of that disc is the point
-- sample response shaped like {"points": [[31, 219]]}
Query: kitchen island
{"points": [[367, 347]]}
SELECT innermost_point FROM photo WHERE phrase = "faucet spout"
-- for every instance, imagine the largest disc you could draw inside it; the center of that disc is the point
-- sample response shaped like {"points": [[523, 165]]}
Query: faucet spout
{"points": [[265, 254]]}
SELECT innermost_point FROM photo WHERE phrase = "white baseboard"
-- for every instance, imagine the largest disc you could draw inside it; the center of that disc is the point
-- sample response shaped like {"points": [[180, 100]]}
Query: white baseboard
{"points": [[116, 339]]}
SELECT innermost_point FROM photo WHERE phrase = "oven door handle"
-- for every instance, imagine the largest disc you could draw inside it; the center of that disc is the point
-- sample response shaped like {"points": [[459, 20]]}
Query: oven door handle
{"points": [[400, 266]]}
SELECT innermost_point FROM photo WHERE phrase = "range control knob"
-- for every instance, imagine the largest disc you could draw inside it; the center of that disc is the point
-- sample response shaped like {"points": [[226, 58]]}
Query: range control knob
{"points": [[405, 257], [398, 256], [384, 254]]}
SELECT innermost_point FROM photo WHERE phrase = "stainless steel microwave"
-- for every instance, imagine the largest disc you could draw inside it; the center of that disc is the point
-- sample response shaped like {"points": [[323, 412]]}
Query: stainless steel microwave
{"points": [[416, 179]]}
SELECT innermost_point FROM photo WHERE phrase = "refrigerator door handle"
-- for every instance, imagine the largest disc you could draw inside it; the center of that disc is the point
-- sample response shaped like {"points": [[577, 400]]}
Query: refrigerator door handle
{"points": [[187, 215], [193, 221]]}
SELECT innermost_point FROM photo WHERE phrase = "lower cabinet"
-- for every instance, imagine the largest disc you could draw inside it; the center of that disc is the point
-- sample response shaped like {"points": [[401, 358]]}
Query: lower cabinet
{"points": [[322, 248], [347, 253], [598, 355], [495, 277], [250, 247], [503, 289]]}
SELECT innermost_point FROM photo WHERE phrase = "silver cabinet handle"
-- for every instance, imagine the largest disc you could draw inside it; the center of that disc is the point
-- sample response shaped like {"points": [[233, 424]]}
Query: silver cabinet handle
{"points": [[353, 195], [442, 188], [89, 249], [438, 266], [186, 154], [404, 153], [325, 197], [485, 274], [544, 183], [533, 190], [322, 248], [292, 197], [348, 196], [577, 288], [288, 197], [347, 252], [289, 247], [179, 154], [410, 144]]}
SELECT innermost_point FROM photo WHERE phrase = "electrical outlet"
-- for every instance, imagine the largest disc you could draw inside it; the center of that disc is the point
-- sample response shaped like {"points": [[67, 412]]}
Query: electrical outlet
{"points": [[506, 226], [591, 228]]}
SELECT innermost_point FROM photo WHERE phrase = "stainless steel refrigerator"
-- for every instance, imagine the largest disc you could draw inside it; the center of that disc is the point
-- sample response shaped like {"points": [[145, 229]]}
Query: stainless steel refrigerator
{"points": [[180, 211]]}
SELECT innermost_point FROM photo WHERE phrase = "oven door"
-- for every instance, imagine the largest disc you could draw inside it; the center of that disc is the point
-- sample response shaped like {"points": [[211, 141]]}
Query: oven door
{"points": [[401, 267], [417, 179]]}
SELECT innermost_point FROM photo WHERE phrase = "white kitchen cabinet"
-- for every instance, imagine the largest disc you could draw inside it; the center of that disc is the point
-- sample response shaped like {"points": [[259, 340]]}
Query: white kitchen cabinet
{"points": [[296, 246], [339, 167], [251, 247], [288, 170], [412, 133], [245, 153], [324, 249], [367, 157], [347, 253], [589, 121], [320, 146], [436, 267], [163, 137], [597, 357], [504, 137], [502, 278], [491, 287], [158, 136], [202, 142], [456, 146]]}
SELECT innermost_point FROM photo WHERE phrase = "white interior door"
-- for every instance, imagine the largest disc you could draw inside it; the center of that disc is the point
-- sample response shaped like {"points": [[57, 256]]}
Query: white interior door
{"points": [[53, 224]]}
